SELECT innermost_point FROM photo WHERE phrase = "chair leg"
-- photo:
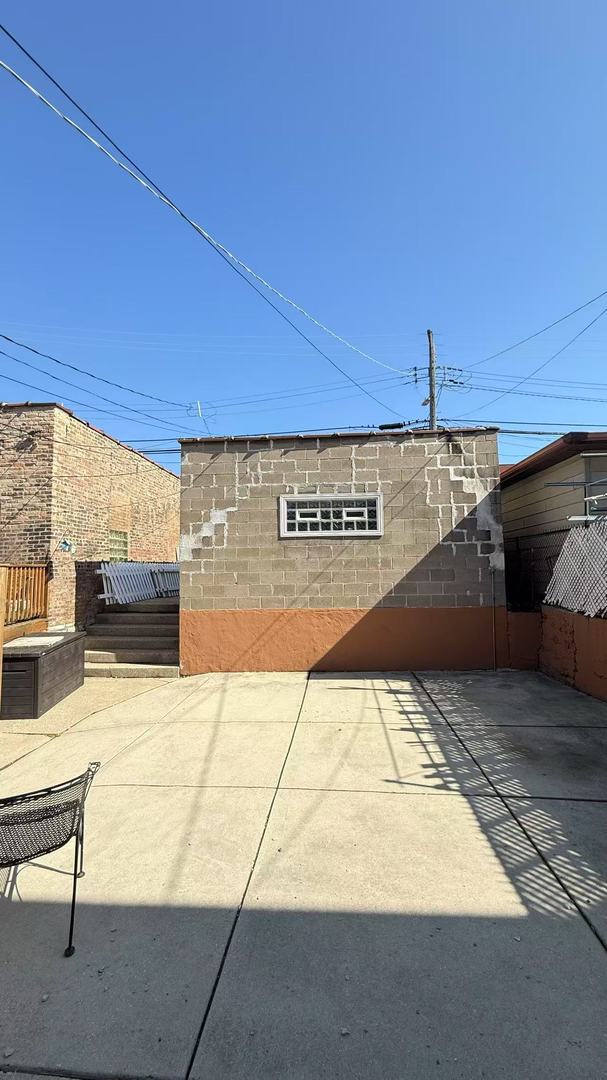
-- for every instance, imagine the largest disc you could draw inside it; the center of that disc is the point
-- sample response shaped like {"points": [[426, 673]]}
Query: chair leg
{"points": [[70, 950], [81, 871]]}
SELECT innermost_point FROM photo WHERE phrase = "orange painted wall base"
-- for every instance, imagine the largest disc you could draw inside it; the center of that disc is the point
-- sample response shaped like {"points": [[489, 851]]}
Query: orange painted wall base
{"points": [[380, 639], [574, 649], [564, 645]]}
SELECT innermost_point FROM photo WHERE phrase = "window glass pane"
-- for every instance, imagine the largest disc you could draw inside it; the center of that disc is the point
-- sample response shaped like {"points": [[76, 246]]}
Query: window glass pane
{"points": [[118, 545], [330, 515], [596, 473]]}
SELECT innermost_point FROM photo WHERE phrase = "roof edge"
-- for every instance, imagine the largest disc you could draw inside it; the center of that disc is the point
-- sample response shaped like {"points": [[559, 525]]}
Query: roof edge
{"points": [[5, 405], [574, 442], [364, 434]]}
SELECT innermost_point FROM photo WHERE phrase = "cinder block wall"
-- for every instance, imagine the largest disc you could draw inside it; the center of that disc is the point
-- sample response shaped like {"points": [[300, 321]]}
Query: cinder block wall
{"points": [[440, 557], [62, 479]]}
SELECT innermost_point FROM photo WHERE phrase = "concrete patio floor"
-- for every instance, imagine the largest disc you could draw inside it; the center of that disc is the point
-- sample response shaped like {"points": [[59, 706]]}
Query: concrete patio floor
{"points": [[361, 877]]}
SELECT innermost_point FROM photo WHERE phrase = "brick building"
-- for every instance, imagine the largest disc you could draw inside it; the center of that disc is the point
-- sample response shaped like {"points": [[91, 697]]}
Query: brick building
{"points": [[360, 551], [61, 479]]}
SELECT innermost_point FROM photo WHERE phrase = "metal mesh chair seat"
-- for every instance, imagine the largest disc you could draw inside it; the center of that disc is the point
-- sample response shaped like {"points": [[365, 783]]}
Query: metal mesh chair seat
{"points": [[38, 822]]}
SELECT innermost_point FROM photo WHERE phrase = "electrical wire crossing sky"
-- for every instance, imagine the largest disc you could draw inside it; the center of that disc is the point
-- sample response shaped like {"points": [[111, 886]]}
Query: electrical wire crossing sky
{"points": [[340, 237]]}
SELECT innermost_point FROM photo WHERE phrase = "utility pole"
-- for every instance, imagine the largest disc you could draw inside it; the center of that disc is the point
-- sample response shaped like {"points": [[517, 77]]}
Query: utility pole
{"points": [[431, 380]]}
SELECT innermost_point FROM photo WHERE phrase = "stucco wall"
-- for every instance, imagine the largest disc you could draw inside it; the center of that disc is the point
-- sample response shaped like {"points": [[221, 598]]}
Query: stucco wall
{"points": [[574, 649]]}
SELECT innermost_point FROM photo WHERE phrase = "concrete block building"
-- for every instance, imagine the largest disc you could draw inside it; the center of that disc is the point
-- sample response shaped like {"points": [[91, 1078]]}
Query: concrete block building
{"points": [[341, 552], [61, 479]]}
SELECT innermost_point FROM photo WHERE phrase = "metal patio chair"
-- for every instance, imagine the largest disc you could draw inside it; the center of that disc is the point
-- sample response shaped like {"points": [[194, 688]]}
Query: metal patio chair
{"points": [[38, 822]]}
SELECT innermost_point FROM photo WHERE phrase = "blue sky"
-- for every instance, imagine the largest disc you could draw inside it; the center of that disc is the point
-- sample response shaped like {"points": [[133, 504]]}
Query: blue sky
{"points": [[391, 166]]}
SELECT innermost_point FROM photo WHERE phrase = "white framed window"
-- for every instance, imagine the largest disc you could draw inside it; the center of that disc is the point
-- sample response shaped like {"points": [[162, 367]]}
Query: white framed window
{"points": [[331, 515], [595, 491]]}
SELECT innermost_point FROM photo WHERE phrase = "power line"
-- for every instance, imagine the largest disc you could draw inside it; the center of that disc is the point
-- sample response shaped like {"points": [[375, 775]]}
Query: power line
{"points": [[89, 374], [567, 426], [221, 404], [240, 267], [579, 425], [537, 333], [206, 236], [294, 432], [190, 333], [335, 429], [579, 383], [301, 391], [53, 439], [89, 476], [232, 259], [372, 429], [541, 366], [160, 425], [78, 386], [537, 393], [273, 407]]}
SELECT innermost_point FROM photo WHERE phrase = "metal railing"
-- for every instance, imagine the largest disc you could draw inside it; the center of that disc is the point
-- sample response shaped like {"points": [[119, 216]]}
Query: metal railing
{"points": [[26, 594]]}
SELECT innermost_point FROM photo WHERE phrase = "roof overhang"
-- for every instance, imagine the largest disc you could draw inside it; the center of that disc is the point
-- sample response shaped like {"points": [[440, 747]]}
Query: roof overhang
{"points": [[568, 446]]}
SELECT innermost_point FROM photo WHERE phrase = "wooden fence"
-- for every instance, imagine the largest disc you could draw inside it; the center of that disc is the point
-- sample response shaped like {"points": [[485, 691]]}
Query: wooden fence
{"points": [[23, 599], [26, 594]]}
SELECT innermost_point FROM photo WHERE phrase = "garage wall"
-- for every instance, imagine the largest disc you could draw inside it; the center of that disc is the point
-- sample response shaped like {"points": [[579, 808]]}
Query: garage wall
{"points": [[421, 594]]}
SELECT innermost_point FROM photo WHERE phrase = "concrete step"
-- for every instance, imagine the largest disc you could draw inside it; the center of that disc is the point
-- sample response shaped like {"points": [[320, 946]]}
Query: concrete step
{"points": [[131, 656], [131, 671], [139, 629], [138, 641], [122, 618], [144, 606]]}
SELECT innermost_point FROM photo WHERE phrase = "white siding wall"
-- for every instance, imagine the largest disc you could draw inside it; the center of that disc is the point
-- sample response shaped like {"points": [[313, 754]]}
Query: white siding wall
{"points": [[528, 506]]}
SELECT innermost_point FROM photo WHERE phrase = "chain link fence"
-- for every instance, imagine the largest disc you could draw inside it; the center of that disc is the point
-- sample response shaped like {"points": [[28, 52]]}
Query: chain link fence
{"points": [[579, 579], [530, 565]]}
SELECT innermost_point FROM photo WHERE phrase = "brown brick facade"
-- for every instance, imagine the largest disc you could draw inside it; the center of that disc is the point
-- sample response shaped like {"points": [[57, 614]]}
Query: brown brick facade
{"points": [[62, 479], [442, 540]]}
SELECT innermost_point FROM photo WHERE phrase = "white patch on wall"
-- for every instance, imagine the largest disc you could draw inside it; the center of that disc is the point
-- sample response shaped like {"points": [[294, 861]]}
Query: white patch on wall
{"points": [[188, 542], [485, 518], [220, 517]]}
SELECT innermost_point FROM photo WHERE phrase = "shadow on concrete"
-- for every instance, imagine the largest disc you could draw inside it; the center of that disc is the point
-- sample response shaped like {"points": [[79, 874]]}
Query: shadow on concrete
{"points": [[304, 994], [439, 963], [542, 750]]}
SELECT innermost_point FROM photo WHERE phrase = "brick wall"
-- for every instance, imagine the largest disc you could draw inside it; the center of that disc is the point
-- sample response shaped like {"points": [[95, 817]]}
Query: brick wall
{"points": [[442, 541], [26, 460], [70, 481]]}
